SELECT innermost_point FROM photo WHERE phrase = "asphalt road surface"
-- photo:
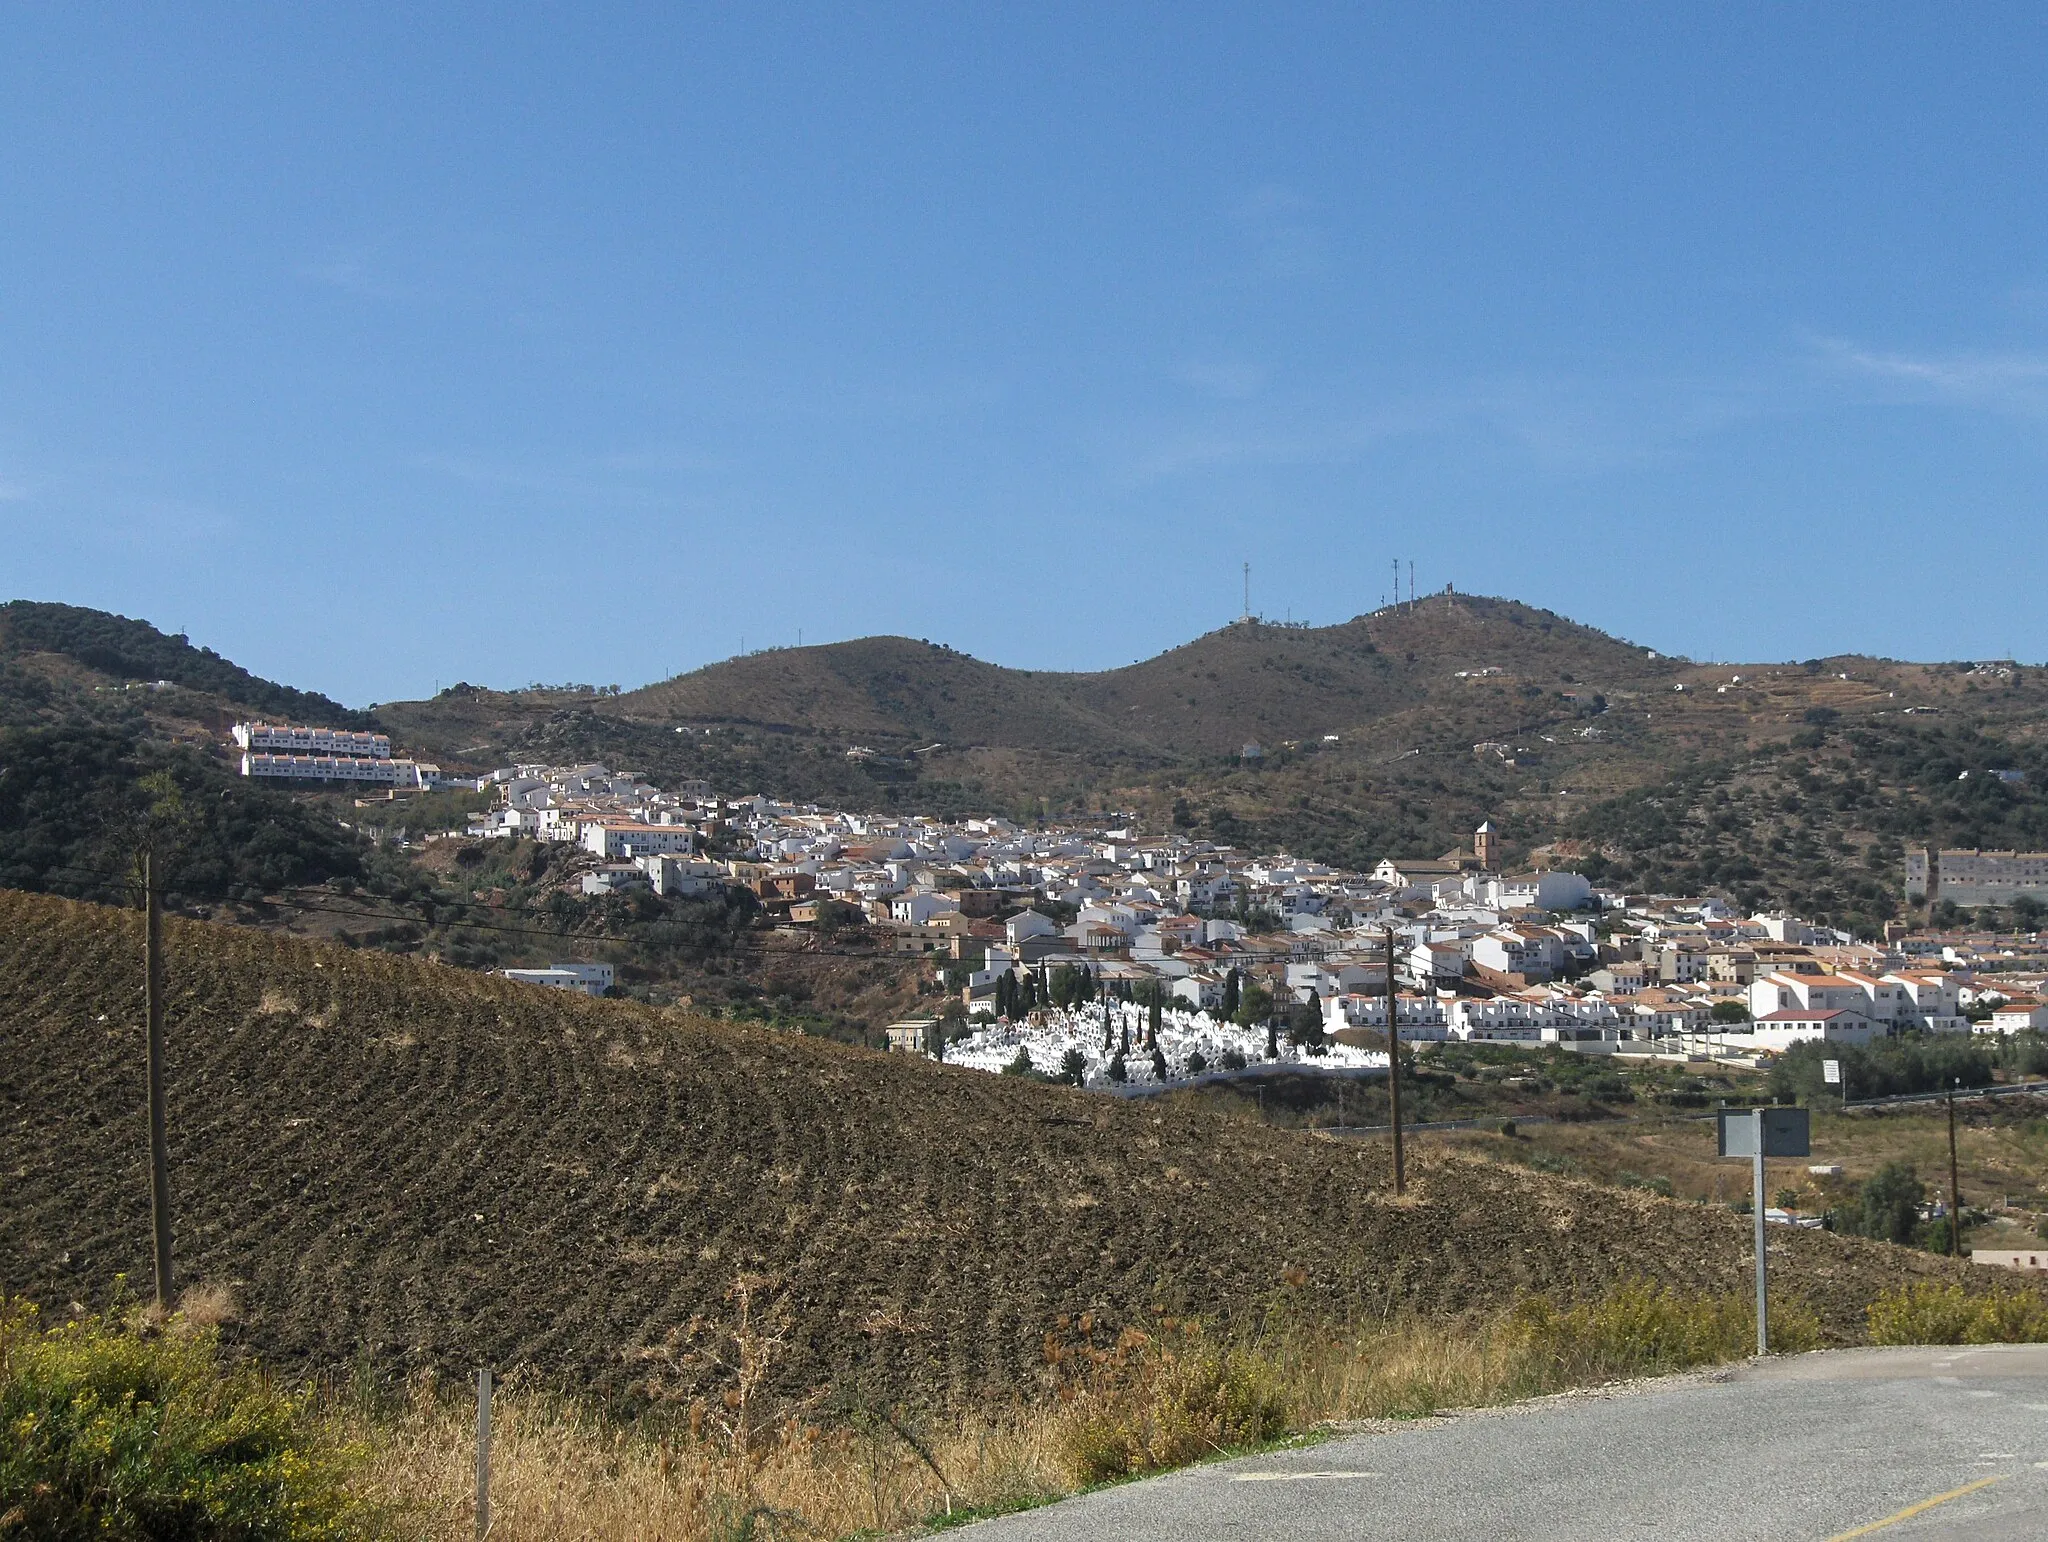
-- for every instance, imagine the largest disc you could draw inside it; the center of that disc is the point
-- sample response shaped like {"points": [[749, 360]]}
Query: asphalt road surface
{"points": [[1901, 1445]]}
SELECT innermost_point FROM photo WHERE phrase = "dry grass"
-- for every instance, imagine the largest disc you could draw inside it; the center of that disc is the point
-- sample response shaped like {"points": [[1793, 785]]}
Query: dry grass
{"points": [[564, 1474]]}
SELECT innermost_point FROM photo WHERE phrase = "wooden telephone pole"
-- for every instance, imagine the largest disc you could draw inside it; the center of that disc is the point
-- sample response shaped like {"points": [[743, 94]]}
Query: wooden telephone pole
{"points": [[1955, 1191], [1394, 1070], [159, 1150]]}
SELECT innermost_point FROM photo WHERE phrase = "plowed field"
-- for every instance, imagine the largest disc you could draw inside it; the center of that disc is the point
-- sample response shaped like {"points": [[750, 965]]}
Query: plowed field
{"points": [[410, 1165]]}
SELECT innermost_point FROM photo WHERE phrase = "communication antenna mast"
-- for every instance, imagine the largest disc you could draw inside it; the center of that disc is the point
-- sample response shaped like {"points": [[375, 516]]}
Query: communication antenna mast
{"points": [[1397, 583], [1411, 581], [1247, 591]]}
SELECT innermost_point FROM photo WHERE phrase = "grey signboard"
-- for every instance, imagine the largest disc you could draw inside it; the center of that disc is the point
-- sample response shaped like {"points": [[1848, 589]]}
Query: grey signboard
{"points": [[1785, 1132]]}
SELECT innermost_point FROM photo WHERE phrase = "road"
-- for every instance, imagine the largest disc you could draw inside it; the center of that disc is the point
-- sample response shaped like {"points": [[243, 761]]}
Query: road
{"points": [[1900, 1445]]}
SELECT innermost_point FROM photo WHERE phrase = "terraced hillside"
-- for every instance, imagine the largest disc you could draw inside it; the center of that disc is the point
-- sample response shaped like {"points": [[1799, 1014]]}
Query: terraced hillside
{"points": [[412, 1166]]}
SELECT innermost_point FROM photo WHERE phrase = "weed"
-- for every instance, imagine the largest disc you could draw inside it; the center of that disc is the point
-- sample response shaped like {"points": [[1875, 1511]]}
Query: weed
{"points": [[1926, 1313], [1156, 1404], [119, 1431]]}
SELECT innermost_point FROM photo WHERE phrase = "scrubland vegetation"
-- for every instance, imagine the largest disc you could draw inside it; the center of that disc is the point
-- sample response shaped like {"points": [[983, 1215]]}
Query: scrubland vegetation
{"points": [[131, 1427]]}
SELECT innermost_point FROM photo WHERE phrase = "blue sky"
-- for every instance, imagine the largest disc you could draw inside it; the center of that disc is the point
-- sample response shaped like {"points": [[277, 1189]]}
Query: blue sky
{"points": [[381, 347]]}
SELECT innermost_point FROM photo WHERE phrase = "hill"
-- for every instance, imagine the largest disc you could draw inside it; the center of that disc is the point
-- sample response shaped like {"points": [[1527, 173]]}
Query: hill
{"points": [[400, 1165], [1251, 680], [126, 651], [1792, 785]]}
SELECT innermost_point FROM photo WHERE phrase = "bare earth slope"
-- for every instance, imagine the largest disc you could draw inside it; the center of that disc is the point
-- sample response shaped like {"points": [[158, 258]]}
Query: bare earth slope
{"points": [[419, 1166]]}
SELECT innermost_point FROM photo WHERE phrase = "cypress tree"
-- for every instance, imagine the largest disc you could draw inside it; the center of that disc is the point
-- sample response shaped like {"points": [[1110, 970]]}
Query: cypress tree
{"points": [[1230, 994]]}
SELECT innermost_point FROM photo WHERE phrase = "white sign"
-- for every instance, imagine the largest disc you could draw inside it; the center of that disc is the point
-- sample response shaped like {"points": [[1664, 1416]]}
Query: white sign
{"points": [[1831, 1072]]}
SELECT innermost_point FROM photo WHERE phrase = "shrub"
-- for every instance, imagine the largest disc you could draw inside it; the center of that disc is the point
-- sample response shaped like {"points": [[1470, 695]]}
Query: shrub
{"points": [[1889, 1207], [1153, 1406], [1642, 1329], [121, 1434], [1655, 1184], [1926, 1313]]}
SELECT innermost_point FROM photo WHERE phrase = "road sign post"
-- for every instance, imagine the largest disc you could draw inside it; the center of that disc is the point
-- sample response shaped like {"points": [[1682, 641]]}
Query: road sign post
{"points": [[1758, 1133]]}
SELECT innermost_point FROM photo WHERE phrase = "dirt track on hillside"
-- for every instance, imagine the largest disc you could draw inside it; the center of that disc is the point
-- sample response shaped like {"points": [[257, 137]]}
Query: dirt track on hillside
{"points": [[412, 1166]]}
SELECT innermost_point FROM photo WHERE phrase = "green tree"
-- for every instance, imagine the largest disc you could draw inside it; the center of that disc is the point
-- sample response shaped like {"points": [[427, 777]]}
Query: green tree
{"points": [[1305, 1024], [1255, 1005], [1021, 1066], [1729, 1010], [1231, 987], [1889, 1207], [1074, 1068], [1117, 1072]]}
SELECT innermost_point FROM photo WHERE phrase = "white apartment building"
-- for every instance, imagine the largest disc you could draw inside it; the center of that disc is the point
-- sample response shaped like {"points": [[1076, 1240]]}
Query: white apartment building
{"points": [[1931, 1001], [917, 909], [1795, 1025], [591, 979], [1972, 877], [1815, 993], [1419, 1017], [681, 875], [1533, 891], [614, 878], [374, 770], [615, 838], [2019, 1015], [1527, 950], [1503, 1018], [278, 739]]}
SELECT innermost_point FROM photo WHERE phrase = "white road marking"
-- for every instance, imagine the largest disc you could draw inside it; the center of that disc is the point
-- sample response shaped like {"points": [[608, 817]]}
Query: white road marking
{"points": [[1293, 1477]]}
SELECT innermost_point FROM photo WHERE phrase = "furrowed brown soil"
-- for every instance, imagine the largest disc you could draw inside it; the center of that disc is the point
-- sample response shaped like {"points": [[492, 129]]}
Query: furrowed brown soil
{"points": [[412, 1166]]}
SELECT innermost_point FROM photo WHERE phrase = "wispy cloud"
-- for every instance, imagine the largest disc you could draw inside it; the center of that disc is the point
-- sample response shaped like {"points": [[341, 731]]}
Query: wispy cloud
{"points": [[1564, 424], [2015, 383]]}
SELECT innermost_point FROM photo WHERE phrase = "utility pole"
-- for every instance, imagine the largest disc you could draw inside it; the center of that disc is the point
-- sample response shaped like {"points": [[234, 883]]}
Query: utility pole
{"points": [[159, 1152], [1756, 1193], [1394, 1071], [483, 1451], [1955, 1197]]}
